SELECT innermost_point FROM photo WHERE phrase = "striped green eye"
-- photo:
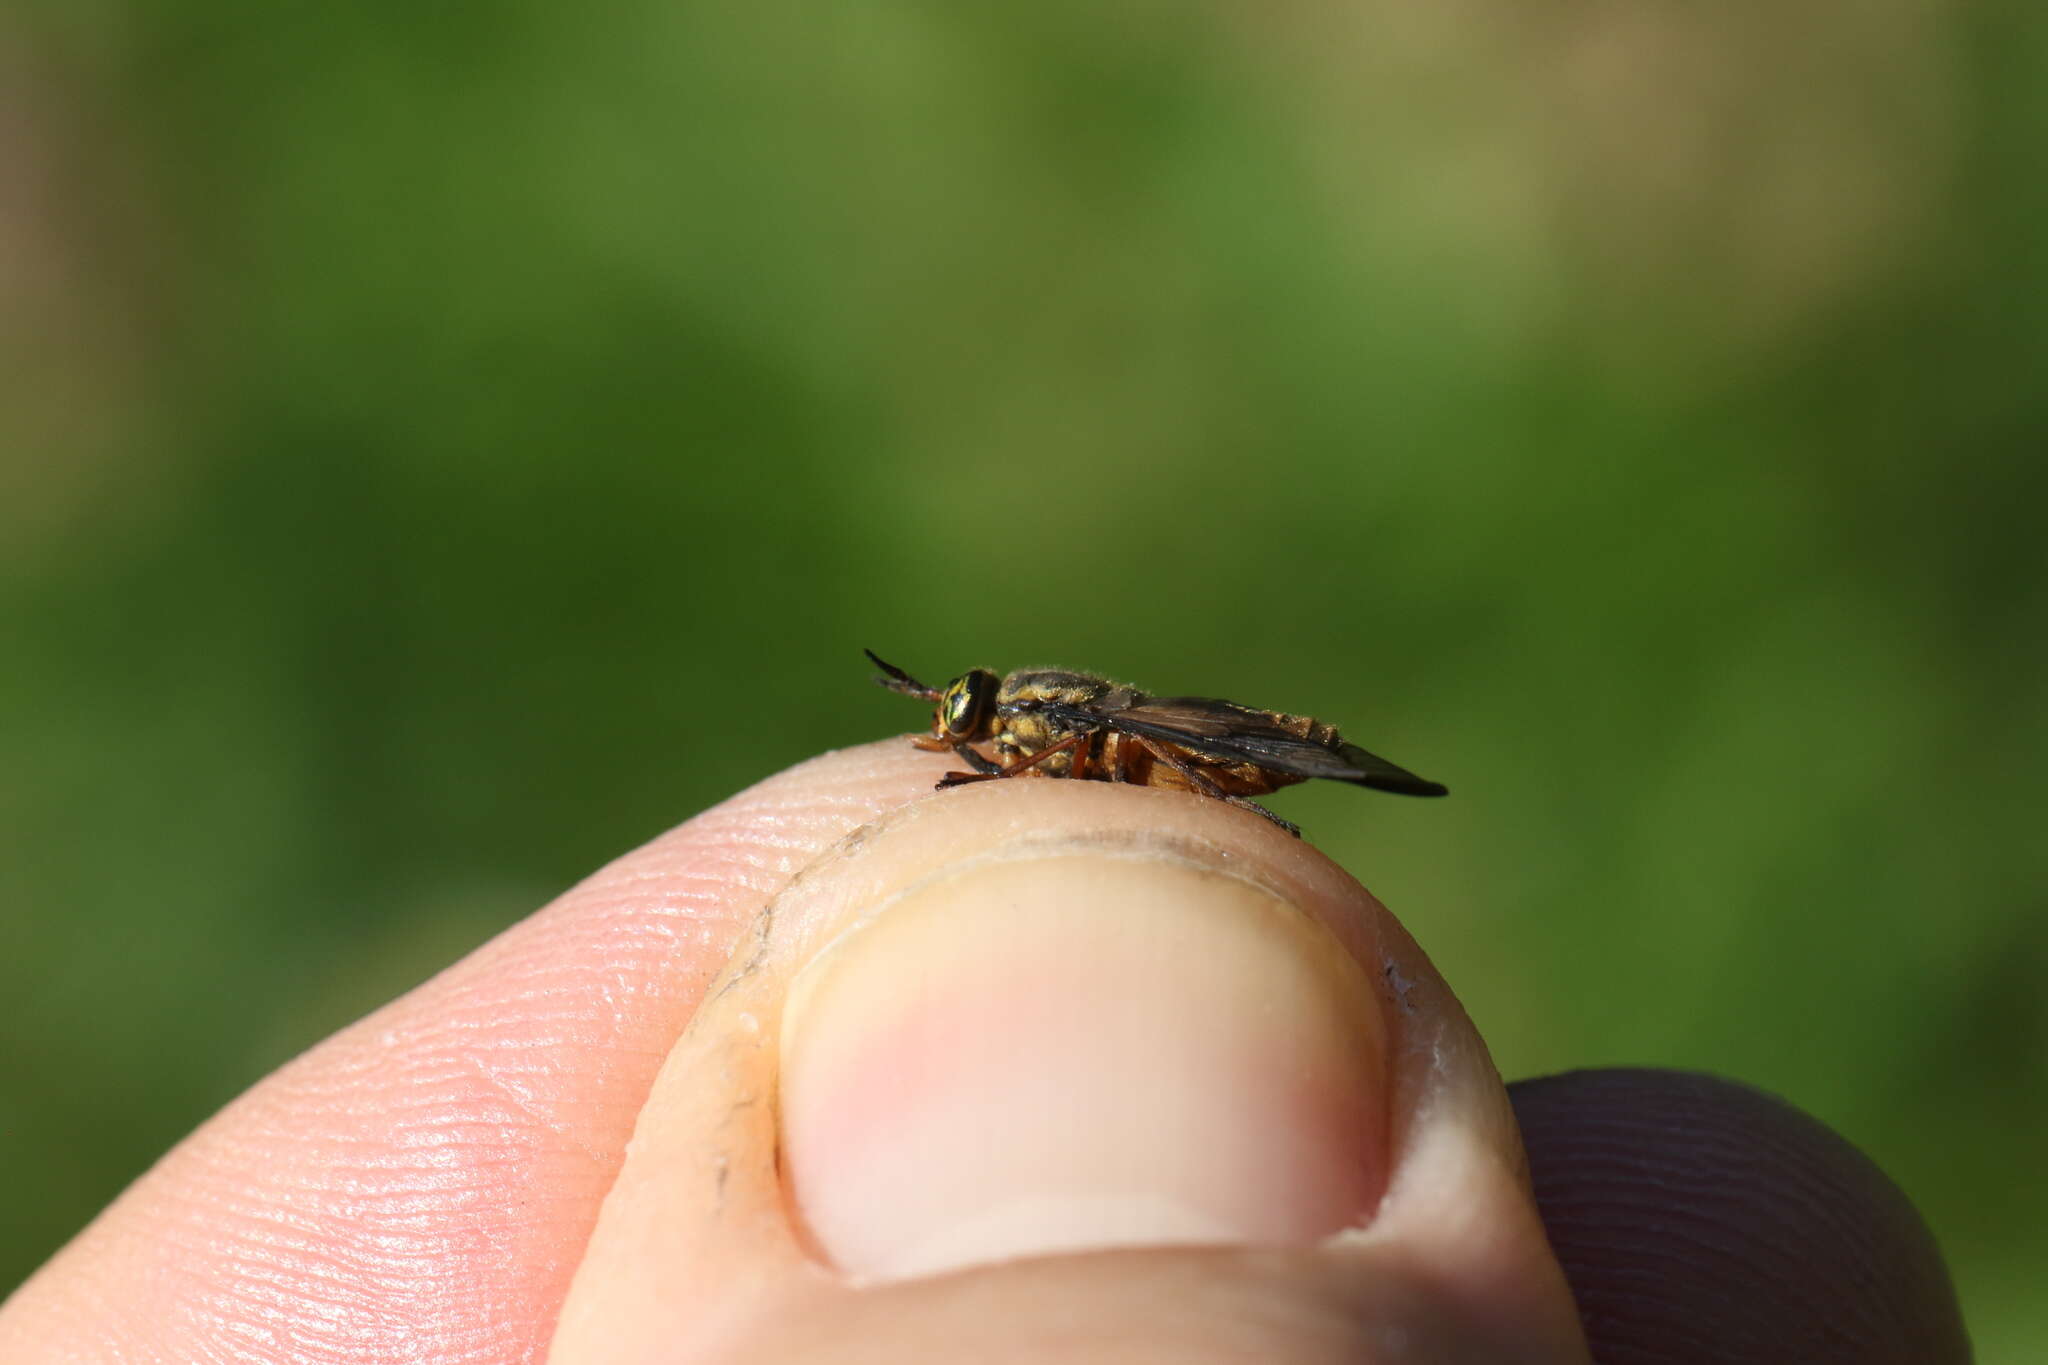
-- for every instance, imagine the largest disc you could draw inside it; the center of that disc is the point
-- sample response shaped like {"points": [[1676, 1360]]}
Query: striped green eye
{"points": [[965, 704]]}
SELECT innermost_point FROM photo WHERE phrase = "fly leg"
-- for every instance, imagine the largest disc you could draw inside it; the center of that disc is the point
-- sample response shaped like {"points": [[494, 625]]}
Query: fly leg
{"points": [[987, 767], [992, 770], [1258, 809], [1202, 783], [1084, 756]]}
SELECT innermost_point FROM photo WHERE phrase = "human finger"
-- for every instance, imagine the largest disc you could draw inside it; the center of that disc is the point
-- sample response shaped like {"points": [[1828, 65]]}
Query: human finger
{"points": [[1043, 1070], [420, 1186], [1699, 1221]]}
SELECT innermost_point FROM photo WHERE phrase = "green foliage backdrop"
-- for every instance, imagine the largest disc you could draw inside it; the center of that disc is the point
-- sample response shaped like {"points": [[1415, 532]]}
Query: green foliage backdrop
{"points": [[441, 446]]}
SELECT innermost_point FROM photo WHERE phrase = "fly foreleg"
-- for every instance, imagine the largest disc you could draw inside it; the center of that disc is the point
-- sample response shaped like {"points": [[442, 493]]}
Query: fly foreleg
{"points": [[1029, 761], [987, 767]]}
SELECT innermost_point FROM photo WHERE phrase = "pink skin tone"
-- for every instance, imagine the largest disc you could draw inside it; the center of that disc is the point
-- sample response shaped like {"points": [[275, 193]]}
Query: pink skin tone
{"points": [[997, 1078]]}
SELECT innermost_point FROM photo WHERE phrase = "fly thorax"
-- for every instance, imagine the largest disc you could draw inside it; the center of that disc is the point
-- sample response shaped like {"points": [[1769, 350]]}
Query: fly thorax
{"points": [[1029, 729], [1028, 732]]}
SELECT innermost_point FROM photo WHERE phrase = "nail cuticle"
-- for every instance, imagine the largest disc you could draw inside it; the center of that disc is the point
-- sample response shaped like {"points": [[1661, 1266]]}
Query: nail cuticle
{"points": [[1187, 852]]}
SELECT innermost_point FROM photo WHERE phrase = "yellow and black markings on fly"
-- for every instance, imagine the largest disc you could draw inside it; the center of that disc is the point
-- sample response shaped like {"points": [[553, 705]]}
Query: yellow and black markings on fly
{"points": [[1052, 723]]}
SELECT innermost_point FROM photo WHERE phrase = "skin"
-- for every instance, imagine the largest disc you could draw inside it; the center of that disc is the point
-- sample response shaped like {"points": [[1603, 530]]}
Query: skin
{"points": [[1019, 1072]]}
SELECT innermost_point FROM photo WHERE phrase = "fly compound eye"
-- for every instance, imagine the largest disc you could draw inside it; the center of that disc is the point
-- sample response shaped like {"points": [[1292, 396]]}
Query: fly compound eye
{"points": [[956, 709], [965, 702]]}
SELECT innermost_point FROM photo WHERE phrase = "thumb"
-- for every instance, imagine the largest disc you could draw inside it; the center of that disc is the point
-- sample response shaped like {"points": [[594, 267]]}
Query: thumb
{"points": [[1079, 1072]]}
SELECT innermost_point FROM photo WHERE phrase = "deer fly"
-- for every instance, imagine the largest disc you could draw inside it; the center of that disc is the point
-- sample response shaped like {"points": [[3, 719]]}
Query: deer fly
{"points": [[1053, 723]]}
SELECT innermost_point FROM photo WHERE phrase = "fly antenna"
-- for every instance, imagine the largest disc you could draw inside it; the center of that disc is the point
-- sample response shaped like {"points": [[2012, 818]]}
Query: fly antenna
{"points": [[899, 681]]}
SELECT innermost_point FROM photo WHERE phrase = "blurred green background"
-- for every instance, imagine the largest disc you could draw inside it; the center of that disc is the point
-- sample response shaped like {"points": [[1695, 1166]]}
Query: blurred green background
{"points": [[442, 446]]}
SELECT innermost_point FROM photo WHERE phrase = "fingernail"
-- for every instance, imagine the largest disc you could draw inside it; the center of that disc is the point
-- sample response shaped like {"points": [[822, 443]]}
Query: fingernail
{"points": [[1078, 1050]]}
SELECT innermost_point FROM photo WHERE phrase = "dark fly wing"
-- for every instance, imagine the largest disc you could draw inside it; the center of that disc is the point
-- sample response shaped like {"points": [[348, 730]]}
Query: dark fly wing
{"points": [[1222, 729], [1380, 775]]}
